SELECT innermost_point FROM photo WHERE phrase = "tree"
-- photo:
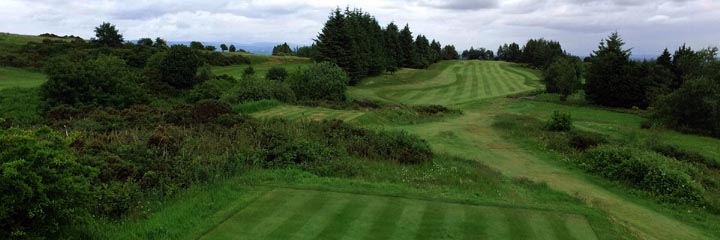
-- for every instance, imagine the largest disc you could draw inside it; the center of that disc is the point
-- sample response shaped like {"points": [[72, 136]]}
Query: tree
{"points": [[179, 66], [45, 190], [277, 74], [282, 50], [160, 43], [407, 46], [223, 47], [694, 107], [210, 48], [449, 53], [107, 35], [197, 45], [145, 42], [232, 48], [686, 64], [562, 76], [612, 79], [321, 81], [435, 51], [392, 46], [540, 53], [103, 82], [665, 59]]}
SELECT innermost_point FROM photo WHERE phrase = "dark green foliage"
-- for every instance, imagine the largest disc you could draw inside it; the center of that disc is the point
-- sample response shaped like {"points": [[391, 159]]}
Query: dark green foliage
{"points": [[204, 111], [212, 89], [282, 50], [559, 122], [254, 89], [249, 72], [107, 35], [510, 53], [478, 54], [308, 52], [686, 64], [322, 81], [582, 141], [648, 171], [223, 47], [44, 189], [277, 74], [219, 59], [694, 107], [103, 82], [147, 42], [540, 53], [195, 45], [685, 156], [407, 48], [449, 53], [613, 80], [563, 76], [179, 66], [232, 48], [160, 43], [210, 48], [20, 107]]}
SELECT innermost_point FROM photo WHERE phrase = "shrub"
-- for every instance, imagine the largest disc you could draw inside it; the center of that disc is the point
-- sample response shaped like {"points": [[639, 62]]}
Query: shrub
{"points": [[648, 171], [212, 89], [585, 140], [693, 108], [559, 122], [103, 82], [205, 111], [685, 155], [321, 81], [277, 74], [253, 89], [44, 189], [179, 67]]}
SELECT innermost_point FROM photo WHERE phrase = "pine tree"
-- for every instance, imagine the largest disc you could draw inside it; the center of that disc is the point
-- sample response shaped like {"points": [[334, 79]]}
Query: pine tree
{"points": [[232, 48], [408, 47], [610, 80], [392, 45]]}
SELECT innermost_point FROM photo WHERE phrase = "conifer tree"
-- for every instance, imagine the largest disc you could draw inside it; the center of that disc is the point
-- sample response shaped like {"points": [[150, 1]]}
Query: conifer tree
{"points": [[408, 47]]}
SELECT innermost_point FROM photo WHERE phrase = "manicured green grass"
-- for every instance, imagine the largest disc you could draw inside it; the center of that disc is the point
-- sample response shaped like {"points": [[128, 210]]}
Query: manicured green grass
{"points": [[308, 113], [449, 83], [306, 214], [18, 77]]}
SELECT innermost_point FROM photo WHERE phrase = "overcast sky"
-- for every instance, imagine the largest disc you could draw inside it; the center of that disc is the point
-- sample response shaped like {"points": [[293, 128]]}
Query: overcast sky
{"points": [[647, 26]]}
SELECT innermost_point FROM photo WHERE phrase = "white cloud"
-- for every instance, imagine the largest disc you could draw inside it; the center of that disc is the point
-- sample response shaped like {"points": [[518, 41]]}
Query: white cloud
{"points": [[646, 25]]}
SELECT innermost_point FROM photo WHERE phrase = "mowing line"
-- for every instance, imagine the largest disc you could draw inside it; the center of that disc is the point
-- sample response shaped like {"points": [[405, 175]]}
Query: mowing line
{"points": [[475, 82], [558, 224], [270, 222], [320, 220], [300, 216], [269, 204], [407, 225], [519, 227], [474, 226], [385, 224], [343, 219], [541, 226], [485, 80], [432, 223]]}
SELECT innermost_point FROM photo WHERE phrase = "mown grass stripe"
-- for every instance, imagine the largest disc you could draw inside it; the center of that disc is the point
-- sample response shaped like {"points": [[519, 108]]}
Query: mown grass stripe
{"points": [[541, 225], [495, 86], [246, 220], [268, 223], [432, 225], [502, 82], [485, 79], [343, 219], [496, 222], [459, 86], [474, 224], [579, 228], [559, 227], [408, 224], [386, 223], [518, 224], [475, 81], [292, 224]]}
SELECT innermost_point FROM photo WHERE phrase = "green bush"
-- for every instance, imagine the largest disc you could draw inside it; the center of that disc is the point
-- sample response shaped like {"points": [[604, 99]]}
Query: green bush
{"points": [[253, 89], [212, 89], [179, 67], [648, 171], [103, 82], [277, 74], [321, 81], [559, 122], [581, 140], [693, 108], [685, 155], [44, 189]]}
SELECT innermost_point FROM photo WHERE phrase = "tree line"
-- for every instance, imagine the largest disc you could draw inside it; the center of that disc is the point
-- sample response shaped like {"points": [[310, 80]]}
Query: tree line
{"points": [[355, 41]]}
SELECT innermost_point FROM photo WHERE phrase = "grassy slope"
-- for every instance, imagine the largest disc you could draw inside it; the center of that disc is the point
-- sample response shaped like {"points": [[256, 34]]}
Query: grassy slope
{"points": [[262, 64], [18, 77], [11, 42]]}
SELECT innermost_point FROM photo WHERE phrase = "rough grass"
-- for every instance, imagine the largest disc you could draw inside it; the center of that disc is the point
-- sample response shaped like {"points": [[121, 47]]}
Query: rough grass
{"points": [[11, 42], [18, 77], [308, 113]]}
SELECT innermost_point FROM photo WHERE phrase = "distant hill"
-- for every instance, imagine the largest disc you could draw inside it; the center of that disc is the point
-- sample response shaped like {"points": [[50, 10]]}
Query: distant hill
{"points": [[261, 48]]}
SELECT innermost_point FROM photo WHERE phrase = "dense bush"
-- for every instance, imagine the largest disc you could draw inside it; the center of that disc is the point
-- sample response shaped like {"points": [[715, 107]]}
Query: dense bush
{"points": [[694, 107], [253, 89], [212, 89], [219, 59], [44, 189], [559, 122], [563, 76], [648, 171], [322, 81], [684, 155], [103, 82], [581, 140], [179, 67], [277, 74]]}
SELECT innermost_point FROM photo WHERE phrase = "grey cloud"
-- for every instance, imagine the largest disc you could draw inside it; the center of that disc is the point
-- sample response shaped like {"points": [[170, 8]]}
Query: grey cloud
{"points": [[460, 4]]}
